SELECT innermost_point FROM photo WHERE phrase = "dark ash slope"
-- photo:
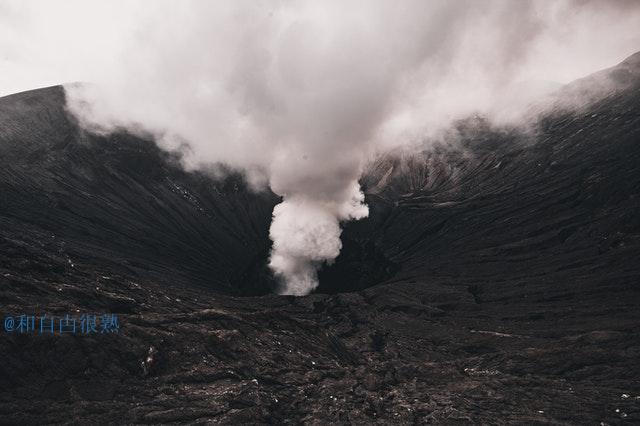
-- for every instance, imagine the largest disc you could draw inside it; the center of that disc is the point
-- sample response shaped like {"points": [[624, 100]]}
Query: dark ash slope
{"points": [[497, 284], [123, 200]]}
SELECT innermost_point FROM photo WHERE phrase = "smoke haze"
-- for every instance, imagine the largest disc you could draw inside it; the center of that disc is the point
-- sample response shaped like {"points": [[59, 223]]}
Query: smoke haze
{"points": [[299, 94]]}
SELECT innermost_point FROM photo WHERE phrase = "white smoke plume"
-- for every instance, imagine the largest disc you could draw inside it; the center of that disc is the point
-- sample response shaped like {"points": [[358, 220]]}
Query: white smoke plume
{"points": [[299, 93]]}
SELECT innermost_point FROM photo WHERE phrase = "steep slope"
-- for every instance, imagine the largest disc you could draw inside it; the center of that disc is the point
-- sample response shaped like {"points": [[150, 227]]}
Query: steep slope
{"points": [[122, 200], [501, 204]]}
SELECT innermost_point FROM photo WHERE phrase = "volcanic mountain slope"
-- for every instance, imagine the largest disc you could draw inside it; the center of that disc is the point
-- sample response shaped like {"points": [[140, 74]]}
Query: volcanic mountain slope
{"points": [[123, 199], [496, 280]]}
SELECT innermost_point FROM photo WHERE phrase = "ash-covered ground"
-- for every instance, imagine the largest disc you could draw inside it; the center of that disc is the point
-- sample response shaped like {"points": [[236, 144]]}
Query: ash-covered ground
{"points": [[495, 282]]}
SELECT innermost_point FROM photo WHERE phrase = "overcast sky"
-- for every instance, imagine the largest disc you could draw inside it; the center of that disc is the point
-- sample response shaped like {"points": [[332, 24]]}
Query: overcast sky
{"points": [[46, 42]]}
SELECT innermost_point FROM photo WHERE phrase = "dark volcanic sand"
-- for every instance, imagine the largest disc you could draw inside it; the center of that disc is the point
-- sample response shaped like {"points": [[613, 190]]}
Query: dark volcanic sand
{"points": [[494, 284]]}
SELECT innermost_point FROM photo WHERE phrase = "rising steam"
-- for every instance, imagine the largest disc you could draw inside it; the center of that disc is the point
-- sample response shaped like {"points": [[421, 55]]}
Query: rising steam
{"points": [[298, 94]]}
